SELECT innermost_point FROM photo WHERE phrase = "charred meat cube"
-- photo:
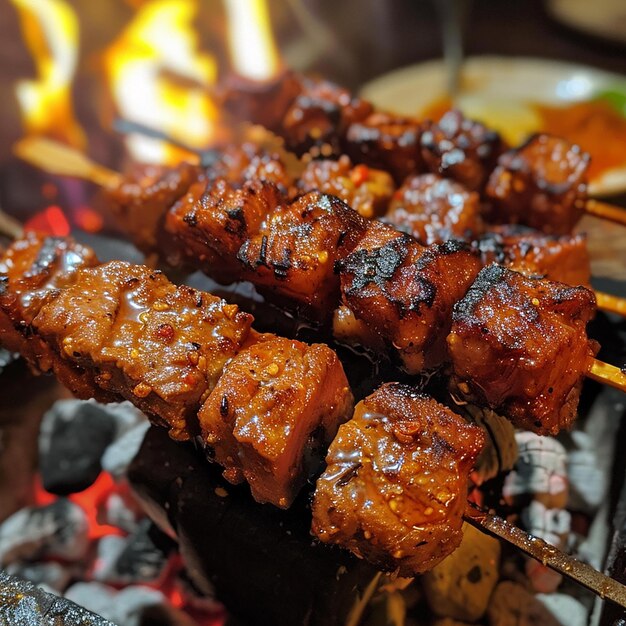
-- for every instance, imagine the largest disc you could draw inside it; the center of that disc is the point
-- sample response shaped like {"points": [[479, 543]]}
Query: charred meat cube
{"points": [[462, 149], [141, 201], [159, 346], [260, 102], [320, 116], [293, 254], [388, 143], [562, 258], [519, 345], [32, 269], [404, 292], [396, 481], [273, 413], [215, 218], [366, 190], [435, 209], [542, 184]]}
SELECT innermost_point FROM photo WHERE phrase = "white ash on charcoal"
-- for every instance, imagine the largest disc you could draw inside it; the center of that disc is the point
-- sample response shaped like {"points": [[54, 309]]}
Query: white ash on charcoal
{"points": [[512, 605], [78, 438], [139, 558], [588, 482], [567, 610], [58, 530], [6, 358], [49, 573], [123, 607], [119, 512], [551, 525], [23, 604]]}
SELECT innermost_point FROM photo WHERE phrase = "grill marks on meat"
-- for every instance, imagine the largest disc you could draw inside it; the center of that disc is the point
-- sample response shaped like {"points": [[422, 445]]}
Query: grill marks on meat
{"points": [[461, 149], [561, 258], [542, 184], [160, 346], [32, 270], [519, 345], [273, 413], [396, 484], [403, 294], [435, 209], [292, 256]]}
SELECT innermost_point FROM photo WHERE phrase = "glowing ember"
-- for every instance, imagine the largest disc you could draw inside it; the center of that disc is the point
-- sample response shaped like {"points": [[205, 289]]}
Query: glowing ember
{"points": [[160, 79], [51, 220], [252, 46], [50, 30]]}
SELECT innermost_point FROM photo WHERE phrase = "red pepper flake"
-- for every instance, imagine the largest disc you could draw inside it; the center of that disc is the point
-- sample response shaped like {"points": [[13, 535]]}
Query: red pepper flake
{"points": [[165, 332]]}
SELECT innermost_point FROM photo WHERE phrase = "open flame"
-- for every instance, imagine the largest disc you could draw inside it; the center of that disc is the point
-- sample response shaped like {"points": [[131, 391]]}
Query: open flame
{"points": [[50, 30]]}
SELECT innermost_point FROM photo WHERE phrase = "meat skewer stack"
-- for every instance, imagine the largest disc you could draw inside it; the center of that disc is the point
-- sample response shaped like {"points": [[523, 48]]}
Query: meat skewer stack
{"points": [[426, 304]]}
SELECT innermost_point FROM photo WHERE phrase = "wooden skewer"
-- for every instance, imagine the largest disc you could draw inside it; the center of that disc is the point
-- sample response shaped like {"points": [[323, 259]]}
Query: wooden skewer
{"points": [[9, 226], [607, 374], [59, 159], [606, 211], [567, 565]]}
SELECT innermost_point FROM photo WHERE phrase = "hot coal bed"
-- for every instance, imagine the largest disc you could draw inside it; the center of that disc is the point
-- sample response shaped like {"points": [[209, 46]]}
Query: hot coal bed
{"points": [[103, 511]]}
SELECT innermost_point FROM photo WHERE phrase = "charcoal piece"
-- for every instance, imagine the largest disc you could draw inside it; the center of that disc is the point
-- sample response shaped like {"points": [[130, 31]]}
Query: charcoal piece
{"points": [[118, 513], [123, 607], [23, 604], [164, 615], [52, 575], [135, 559], [6, 358], [71, 446], [262, 561], [56, 530], [120, 453]]}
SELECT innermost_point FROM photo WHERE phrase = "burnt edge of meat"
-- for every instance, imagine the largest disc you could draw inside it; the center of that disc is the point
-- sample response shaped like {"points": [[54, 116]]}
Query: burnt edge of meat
{"points": [[487, 278]]}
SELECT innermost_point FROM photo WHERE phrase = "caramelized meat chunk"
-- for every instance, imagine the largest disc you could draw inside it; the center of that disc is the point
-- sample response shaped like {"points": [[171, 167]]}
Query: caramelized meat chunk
{"points": [[519, 345], [366, 190], [273, 413], [214, 219], [542, 184], [320, 116], [32, 269], [462, 149], [396, 481], [160, 346], [562, 258], [140, 202], [435, 209], [404, 292], [293, 254], [386, 142]]}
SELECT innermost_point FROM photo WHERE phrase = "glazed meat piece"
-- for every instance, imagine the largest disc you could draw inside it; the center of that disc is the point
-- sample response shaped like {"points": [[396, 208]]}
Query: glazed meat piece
{"points": [[32, 269], [562, 258], [215, 218], [435, 209], [462, 149], [542, 184], [396, 481], [260, 102], [320, 116], [140, 202], [519, 345], [404, 292], [292, 257], [366, 190], [160, 346], [388, 143], [273, 413]]}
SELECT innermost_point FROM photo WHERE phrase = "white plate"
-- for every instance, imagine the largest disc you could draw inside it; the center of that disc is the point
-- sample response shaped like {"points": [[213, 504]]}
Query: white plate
{"points": [[498, 92]]}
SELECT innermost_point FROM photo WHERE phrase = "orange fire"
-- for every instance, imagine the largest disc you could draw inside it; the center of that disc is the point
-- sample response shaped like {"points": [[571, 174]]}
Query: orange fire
{"points": [[50, 30]]}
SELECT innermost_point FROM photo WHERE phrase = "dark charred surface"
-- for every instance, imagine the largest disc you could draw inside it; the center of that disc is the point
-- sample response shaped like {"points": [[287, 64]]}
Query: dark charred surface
{"points": [[403, 294], [266, 572], [435, 209], [396, 481], [519, 345], [542, 184], [562, 258], [273, 413], [386, 142], [462, 149]]}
